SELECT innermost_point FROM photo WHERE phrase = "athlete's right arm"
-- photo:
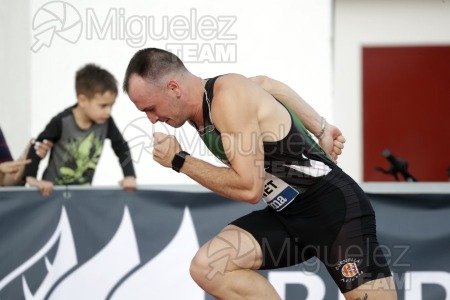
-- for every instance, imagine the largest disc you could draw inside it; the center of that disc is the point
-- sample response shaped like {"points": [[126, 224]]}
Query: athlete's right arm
{"points": [[331, 141], [305, 112]]}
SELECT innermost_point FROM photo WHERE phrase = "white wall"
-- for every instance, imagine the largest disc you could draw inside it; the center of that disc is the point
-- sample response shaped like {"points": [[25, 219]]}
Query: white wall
{"points": [[289, 40], [361, 23], [15, 81]]}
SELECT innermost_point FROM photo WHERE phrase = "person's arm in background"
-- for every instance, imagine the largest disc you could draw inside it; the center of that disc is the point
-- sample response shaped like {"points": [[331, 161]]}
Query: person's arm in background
{"points": [[13, 170], [330, 139], [122, 151], [5, 158]]}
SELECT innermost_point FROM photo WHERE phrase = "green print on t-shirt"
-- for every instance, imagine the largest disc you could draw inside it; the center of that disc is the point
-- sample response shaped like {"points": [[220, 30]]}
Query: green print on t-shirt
{"points": [[80, 161]]}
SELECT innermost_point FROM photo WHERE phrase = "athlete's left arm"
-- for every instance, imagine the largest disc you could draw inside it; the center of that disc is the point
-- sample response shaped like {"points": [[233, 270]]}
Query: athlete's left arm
{"points": [[236, 118], [332, 140]]}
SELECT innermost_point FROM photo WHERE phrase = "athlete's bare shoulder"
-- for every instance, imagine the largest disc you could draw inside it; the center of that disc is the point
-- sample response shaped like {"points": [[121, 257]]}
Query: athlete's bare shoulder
{"points": [[245, 95]]}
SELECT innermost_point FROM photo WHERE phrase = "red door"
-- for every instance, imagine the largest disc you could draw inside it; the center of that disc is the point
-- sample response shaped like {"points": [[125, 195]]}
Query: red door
{"points": [[406, 109]]}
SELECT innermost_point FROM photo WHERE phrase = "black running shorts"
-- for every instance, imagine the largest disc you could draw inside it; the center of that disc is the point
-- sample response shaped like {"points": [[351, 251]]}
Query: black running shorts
{"points": [[333, 221]]}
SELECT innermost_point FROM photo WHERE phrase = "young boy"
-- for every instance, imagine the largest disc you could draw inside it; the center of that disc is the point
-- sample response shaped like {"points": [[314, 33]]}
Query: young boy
{"points": [[78, 134]]}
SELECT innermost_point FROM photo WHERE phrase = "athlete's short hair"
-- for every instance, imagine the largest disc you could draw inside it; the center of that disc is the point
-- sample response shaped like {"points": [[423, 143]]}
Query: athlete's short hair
{"points": [[151, 64]]}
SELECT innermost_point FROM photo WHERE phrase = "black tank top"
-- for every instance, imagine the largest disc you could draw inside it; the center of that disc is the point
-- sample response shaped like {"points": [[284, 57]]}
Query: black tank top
{"points": [[296, 159]]}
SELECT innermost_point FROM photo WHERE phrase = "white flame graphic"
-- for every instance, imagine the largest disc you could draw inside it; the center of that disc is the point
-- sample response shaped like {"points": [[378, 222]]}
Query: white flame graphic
{"points": [[95, 278], [166, 276], [65, 259]]}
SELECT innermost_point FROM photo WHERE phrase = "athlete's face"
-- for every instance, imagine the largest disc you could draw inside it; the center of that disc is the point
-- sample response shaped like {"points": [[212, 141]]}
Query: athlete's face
{"points": [[159, 102], [98, 108]]}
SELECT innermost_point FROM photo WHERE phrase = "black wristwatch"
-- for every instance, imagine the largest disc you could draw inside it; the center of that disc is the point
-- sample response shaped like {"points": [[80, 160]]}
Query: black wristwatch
{"points": [[178, 160]]}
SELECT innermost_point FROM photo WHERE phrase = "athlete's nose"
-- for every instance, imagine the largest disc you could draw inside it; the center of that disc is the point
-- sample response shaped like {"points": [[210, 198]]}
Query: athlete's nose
{"points": [[152, 117]]}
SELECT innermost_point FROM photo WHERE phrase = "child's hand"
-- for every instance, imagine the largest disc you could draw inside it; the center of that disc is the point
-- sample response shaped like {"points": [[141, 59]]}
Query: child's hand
{"points": [[45, 187], [42, 148], [128, 183]]}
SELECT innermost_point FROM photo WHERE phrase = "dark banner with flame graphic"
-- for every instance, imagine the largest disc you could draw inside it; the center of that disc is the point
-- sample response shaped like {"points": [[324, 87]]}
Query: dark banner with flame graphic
{"points": [[110, 244]]}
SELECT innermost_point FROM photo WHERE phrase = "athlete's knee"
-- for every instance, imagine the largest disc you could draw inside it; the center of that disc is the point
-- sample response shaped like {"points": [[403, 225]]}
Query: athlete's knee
{"points": [[199, 268], [195, 267], [232, 249]]}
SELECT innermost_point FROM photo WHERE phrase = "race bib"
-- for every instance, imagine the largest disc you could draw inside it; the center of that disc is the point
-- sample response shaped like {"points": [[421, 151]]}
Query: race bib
{"points": [[277, 193]]}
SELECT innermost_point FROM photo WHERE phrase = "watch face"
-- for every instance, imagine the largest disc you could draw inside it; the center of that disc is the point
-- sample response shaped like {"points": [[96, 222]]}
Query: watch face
{"points": [[178, 160]]}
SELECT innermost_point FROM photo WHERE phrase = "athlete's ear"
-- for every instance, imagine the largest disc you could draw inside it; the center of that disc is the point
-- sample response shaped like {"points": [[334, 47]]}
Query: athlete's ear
{"points": [[173, 87]]}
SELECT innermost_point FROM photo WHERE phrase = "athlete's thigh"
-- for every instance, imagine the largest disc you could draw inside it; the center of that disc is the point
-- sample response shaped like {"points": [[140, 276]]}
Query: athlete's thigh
{"points": [[277, 245], [231, 249]]}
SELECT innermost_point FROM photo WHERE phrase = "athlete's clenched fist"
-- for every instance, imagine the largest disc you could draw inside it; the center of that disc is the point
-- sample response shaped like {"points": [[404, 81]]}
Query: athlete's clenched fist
{"points": [[164, 148]]}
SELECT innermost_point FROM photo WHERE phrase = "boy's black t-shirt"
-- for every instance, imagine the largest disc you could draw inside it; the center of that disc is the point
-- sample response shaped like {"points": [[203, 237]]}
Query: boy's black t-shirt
{"points": [[76, 151]]}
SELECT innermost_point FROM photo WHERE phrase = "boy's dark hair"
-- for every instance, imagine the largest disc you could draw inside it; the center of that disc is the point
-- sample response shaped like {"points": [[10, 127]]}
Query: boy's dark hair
{"points": [[91, 79], [151, 64]]}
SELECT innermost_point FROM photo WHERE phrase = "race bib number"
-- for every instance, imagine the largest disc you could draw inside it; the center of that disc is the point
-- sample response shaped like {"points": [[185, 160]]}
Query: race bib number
{"points": [[277, 193]]}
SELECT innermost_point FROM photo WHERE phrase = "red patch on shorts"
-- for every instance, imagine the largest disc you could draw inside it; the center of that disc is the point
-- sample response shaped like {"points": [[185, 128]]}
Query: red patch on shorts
{"points": [[350, 270]]}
